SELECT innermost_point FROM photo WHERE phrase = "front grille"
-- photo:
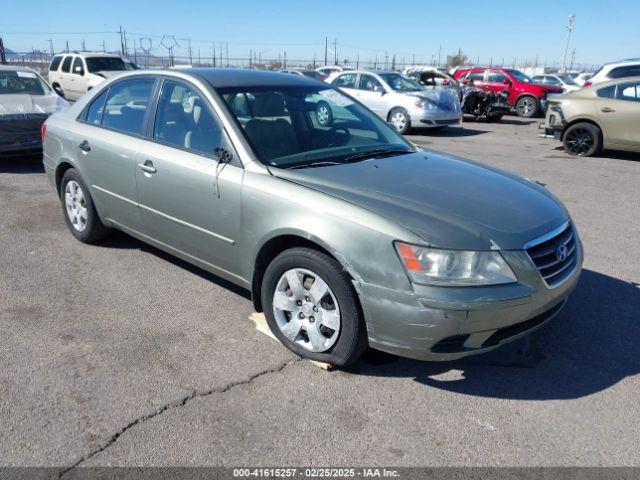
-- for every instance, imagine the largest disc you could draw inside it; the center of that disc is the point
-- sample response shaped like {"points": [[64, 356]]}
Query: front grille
{"points": [[555, 255], [447, 122]]}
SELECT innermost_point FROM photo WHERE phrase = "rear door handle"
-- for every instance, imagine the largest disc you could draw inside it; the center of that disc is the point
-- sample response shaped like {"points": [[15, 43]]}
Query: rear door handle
{"points": [[147, 167], [84, 146], [607, 109]]}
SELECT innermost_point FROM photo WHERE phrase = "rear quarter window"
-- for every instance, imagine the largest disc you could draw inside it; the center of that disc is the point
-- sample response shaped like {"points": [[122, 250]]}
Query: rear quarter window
{"points": [[607, 92], [55, 63]]}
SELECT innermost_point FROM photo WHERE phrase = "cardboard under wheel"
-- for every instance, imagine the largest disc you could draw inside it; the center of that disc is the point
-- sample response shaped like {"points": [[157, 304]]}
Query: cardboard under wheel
{"points": [[263, 327]]}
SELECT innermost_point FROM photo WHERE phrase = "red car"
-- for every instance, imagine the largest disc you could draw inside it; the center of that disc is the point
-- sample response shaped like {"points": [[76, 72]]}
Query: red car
{"points": [[528, 98]]}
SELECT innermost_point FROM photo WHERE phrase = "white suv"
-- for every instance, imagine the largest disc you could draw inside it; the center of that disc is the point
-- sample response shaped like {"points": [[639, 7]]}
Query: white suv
{"points": [[611, 71], [73, 74]]}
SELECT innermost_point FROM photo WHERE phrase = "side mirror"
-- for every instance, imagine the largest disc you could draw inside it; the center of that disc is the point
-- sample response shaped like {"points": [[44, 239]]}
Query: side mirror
{"points": [[224, 155]]}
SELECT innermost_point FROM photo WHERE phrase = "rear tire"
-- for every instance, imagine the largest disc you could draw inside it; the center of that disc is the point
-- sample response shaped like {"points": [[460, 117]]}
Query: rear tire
{"points": [[78, 208], [527, 106], [329, 326], [58, 89], [582, 139]]}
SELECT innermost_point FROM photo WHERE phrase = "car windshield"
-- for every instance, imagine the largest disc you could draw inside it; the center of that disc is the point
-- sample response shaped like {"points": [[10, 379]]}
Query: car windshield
{"points": [[26, 83], [519, 76], [400, 83], [303, 126], [567, 79], [97, 64]]}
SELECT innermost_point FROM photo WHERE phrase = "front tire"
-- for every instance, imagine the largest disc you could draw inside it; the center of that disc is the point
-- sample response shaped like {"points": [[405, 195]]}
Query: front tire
{"points": [[399, 118], [79, 210], [324, 115], [527, 106], [582, 139], [311, 306]]}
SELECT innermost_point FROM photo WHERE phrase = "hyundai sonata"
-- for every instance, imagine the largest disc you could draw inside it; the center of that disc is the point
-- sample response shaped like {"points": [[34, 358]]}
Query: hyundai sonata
{"points": [[346, 235]]}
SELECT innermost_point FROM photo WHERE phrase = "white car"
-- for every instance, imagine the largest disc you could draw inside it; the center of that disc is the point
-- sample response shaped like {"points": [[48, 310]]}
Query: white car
{"points": [[400, 100], [565, 81], [612, 71], [73, 74], [581, 78], [330, 71]]}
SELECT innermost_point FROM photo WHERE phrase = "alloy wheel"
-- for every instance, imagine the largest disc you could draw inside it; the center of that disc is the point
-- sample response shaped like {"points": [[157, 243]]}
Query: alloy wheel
{"points": [[76, 205], [399, 121], [526, 107], [579, 141], [322, 114], [306, 310]]}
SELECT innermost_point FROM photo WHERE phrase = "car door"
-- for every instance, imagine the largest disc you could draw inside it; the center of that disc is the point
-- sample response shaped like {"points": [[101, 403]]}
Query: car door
{"points": [[371, 92], [189, 199], [107, 139], [64, 78], [496, 81], [620, 115], [77, 82]]}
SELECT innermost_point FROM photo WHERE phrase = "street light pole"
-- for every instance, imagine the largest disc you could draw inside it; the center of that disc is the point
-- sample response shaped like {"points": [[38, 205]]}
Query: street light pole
{"points": [[572, 20]]}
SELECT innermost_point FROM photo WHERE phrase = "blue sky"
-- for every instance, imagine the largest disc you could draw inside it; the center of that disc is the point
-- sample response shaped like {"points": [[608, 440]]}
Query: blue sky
{"points": [[604, 31]]}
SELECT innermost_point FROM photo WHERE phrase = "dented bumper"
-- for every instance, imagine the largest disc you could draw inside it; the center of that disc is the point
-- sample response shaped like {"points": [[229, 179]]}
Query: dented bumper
{"points": [[447, 323]]}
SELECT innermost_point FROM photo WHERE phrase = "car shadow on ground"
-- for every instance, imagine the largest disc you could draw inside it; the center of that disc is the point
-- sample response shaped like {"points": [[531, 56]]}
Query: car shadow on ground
{"points": [[120, 240], [21, 164], [590, 346], [604, 154], [448, 132]]}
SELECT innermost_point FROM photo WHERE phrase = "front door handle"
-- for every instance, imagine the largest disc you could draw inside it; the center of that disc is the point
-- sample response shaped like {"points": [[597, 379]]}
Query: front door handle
{"points": [[607, 109], [147, 167], [84, 146]]}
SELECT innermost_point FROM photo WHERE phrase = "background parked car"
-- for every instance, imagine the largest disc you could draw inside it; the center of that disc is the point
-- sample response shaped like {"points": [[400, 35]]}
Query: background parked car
{"points": [[25, 103], [606, 115], [432, 77], [581, 78], [564, 81], [401, 100], [73, 74], [307, 73], [611, 71], [528, 98]]}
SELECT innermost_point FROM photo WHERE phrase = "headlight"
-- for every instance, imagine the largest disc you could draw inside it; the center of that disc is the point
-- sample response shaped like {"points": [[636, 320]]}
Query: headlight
{"points": [[433, 266], [425, 104]]}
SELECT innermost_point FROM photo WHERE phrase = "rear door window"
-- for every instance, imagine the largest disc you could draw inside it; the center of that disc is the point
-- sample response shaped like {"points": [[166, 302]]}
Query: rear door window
{"points": [[629, 92], [368, 82], [66, 64], [126, 105], [496, 77], [348, 80], [477, 76], [78, 66]]}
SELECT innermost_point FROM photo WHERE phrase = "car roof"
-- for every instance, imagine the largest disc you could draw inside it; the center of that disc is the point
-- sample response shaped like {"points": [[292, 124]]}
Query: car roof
{"points": [[89, 54], [235, 77], [16, 68], [615, 81]]}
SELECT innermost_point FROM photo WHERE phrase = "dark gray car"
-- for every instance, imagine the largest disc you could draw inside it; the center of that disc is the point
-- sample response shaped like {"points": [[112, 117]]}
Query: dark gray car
{"points": [[345, 234]]}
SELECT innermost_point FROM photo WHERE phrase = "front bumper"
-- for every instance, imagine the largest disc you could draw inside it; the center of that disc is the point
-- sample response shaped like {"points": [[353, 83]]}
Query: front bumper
{"points": [[447, 323], [438, 118]]}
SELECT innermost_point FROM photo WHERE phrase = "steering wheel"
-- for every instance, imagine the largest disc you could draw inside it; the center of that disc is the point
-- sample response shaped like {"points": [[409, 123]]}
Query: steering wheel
{"points": [[336, 129]]}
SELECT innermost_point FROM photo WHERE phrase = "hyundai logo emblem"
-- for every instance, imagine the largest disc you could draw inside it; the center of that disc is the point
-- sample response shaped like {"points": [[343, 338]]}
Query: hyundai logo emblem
{"points": [[561, 253]]}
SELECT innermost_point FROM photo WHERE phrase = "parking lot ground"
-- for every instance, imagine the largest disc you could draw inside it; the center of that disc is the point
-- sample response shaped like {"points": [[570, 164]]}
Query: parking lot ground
{"points": [[118, 354]]}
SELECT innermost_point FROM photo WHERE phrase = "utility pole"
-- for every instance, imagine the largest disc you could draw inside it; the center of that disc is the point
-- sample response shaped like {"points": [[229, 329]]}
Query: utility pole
{"points": [[439, 52], [358, 62], [190, 52], [227, 51], [104, 47], [3, 58], [67, 43], [121, 42], [213, 52], [571, 22], [51, 46], [335, 50], [326, 49], [573, 56], [284, 60], [84, 47]]}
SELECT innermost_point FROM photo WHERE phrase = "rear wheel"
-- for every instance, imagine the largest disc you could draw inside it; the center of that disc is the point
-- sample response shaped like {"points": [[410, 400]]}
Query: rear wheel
{"points": [[527, 106], [399, 118], [79, 211], [582, 139], [58, 89], [312, 307]]}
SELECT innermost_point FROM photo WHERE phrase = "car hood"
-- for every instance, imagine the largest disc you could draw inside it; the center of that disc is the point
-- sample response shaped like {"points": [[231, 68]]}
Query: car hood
{"points": [[449, 202], [22, 104], [444, 99], [109, 73]]}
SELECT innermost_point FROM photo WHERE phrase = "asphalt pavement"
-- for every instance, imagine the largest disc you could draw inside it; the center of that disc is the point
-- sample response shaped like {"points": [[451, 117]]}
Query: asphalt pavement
{"points": [[118, 354]]}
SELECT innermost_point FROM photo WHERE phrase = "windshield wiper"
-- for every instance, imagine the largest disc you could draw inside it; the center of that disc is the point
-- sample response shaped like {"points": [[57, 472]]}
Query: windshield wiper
{"points": [[376, 153], [316, 164]]}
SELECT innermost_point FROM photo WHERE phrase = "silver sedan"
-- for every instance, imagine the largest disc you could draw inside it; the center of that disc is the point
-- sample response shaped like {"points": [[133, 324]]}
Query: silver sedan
{"points": [[346, 235], [401, 100]]}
